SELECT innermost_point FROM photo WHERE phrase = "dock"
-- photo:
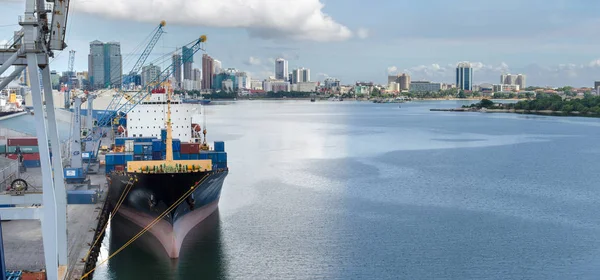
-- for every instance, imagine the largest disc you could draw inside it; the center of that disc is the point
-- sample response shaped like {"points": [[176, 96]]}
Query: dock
{"points": [[23, 248]]}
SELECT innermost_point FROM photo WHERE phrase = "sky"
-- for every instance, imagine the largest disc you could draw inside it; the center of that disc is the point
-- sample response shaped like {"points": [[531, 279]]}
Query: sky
{"points": [[553, 42]]}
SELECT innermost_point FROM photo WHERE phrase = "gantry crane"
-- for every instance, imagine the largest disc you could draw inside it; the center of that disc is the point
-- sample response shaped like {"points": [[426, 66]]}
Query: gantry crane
{"points": [[70, 79], [36, 43]]}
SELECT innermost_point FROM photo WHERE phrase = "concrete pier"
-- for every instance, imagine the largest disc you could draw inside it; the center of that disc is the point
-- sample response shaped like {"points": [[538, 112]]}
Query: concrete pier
{"points": [[23, 238]]}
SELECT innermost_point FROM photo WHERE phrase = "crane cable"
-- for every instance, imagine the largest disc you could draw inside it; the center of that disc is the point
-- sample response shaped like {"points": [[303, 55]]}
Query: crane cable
{"points": [[145, 229], [112, 214]]}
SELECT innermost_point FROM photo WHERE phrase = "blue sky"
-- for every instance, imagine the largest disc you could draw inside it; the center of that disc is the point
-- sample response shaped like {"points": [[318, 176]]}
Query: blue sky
{"points": [[554, 42]]}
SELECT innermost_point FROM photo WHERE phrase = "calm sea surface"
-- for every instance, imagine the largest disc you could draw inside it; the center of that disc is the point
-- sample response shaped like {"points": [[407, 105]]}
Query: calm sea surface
{"points": [[346, 190]]}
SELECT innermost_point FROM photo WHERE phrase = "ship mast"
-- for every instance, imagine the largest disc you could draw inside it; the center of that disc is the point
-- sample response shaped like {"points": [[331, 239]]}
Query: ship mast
{"points": [[169, 142]]}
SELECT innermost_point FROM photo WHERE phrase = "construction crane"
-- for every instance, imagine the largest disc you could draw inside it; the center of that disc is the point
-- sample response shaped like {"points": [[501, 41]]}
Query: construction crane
{"points": [[70, 79]]}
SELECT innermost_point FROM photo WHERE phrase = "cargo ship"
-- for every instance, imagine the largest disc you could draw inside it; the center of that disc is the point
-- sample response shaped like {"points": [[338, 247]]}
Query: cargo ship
{"points": [[173, 181]]}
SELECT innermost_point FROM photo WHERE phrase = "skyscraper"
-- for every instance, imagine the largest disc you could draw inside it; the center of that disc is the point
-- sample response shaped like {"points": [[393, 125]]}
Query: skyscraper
{"points": [[105, 64], [281, 69], [403, 82], [188, 59], [197, 78], [508, 79], [464, 76], [207, 72], [217, 66], [177, 71], [150, 73], [304, 75]]}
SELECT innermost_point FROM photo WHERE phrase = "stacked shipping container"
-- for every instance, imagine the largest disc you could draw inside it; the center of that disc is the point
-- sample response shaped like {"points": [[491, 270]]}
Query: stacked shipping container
{"points": [[29, 149]]}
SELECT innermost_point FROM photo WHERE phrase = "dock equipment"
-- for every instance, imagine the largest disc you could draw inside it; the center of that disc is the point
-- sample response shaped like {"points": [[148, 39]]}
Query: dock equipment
{"points": [[31, 47]]}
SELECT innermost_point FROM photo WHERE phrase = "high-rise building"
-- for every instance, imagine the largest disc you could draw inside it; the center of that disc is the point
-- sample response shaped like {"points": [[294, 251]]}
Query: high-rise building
{"points": [[281, 69], [188, 60], [508, 79], [150, 73], [464, 76], [243, 80], [217, 66], [105, 64], [403, 81], [207, 72], [197, 78], [300, 75], [177, 69]]}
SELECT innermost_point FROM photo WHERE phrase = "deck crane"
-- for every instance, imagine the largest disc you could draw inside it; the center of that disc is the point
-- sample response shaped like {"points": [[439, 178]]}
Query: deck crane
{"points": [[39, 39], [129, 78], [137, 97]]}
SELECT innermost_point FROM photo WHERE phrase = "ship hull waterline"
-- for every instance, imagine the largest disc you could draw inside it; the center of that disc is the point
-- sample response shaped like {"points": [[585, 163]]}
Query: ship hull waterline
{"points": [[152, 194]]}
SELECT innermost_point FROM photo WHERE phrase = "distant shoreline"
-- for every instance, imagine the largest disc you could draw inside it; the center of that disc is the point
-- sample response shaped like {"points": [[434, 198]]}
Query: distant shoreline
{"points": [[521, 111]]}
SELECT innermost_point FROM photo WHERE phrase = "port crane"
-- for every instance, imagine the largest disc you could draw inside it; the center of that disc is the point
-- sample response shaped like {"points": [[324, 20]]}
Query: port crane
{"points": [[70, 79], [34, 44], [129, 78]]}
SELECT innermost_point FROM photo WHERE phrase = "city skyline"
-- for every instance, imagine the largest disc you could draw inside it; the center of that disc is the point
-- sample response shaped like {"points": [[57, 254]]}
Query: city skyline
{"points": [[552, 50]]}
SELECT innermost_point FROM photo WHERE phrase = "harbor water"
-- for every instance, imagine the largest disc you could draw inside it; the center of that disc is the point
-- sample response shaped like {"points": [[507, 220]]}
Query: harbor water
{"points": [[349, 190]]}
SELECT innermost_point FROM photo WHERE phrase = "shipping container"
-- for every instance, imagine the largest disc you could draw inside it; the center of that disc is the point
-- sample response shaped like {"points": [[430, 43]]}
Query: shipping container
{"points": [[147, 157], [157, 155], [22, 141], [138, 149], [190, 148], [203, 155], [2, 149], [128, 157], [163, 134], [109, 168], [219, 146], [31, 163], [194, 156], [156, 145], [184, 156], [82, 197], [11, 156], [24, 149], [176, 156], [144, 139], [34, 156], [129, 145], [221, 157], [119, 167], [176, 145], [138, 157]]}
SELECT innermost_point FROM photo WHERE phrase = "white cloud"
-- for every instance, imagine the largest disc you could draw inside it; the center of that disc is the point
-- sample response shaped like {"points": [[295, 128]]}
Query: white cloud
{"points": [[392, 70], [252, 61], [292, 19], [362, 33], [3, 42]]}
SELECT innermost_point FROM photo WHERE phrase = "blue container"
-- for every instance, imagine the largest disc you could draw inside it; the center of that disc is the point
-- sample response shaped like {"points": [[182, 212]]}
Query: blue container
{"points": [[176, 145], [147, 148], [203, 155], [221, 157], [163, 134], [219, 146], [115, 159], [147, 157], [156, 155], [82, 197], [185, 156], [7, 205], [138, 149], [31, 163], [138, 157], [127, 157], [156, 145], [176, 155], [109, 168], [194, 156], [120, 141]]}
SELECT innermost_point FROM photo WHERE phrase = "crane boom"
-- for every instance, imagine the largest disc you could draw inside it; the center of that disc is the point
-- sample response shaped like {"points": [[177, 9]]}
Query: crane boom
{"points": [[138, 65], [59, 25], [162, 77]]}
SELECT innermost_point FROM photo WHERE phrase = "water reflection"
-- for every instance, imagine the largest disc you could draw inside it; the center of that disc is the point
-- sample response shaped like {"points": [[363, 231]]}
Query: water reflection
{"points": [[201, 254]]}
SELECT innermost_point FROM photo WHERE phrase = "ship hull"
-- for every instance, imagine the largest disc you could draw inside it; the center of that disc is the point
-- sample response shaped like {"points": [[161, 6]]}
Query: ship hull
{"points": [[152, 194]]}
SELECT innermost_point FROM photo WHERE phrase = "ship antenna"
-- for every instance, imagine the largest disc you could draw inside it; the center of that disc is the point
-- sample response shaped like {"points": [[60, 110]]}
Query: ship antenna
{"points": [[169, 142]]}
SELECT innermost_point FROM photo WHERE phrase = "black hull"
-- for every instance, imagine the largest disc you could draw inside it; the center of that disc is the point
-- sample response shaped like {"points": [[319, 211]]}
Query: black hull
{"points": [[152, 194]]}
